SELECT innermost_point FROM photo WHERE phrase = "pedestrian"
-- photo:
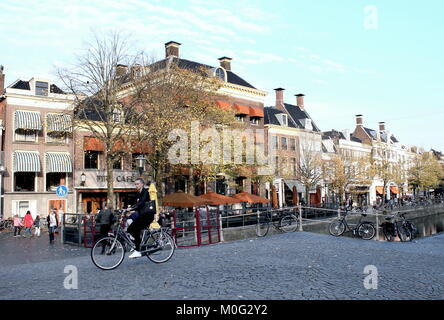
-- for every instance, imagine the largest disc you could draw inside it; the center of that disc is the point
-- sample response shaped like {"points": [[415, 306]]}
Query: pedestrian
{"points": [[52, 225], [28, 222], [105, 219], [17, 226], [37, 226]]}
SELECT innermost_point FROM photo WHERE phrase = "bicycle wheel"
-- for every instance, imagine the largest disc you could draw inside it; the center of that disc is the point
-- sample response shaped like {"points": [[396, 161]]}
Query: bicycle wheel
{"points": [[404, 233], [107, 253], [262, 227], [336, 228], [388, 232], [161, 247], [367, 231], [289, 223]]}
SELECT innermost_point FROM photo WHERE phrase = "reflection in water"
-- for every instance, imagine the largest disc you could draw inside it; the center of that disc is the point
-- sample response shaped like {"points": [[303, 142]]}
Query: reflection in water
{"points": [[429, 225]]}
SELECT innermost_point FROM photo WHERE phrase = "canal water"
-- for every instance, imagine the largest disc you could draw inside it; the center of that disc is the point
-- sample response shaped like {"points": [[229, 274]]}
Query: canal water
{"points": [[429, 225]]}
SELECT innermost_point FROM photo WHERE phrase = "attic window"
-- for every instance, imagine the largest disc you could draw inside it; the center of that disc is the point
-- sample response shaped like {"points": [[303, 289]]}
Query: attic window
{"points": [[41, 88], [220, 74], [285, 120]]}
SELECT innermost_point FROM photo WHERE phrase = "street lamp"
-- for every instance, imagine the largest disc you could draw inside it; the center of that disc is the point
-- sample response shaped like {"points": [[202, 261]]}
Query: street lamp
{"points": [[82, 179], [140, 161]]}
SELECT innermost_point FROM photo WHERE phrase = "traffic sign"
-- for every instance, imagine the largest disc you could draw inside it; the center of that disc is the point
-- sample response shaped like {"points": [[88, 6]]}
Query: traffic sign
{"points": [[62, 191]]}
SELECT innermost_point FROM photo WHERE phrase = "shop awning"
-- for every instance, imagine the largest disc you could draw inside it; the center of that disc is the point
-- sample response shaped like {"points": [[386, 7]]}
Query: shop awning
{"points": [[27, 120], [58, 122], [291, 183], [394, 189], [26, 161], [58, 162], [242, 109], [256, 112], [223, 105], [380, 190], [93, 144]]}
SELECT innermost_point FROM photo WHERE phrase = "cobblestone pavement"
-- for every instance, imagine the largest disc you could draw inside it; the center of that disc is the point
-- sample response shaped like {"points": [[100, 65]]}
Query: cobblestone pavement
{"points": [[285, 266]]}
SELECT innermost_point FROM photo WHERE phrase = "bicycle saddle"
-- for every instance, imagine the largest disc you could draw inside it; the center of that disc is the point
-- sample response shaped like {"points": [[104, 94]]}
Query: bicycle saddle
{"points": [[364, 214]]}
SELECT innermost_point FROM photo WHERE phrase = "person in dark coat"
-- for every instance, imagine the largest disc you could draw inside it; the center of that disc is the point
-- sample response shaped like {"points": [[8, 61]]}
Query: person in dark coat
{"points": [[105, 219], [146, 210]]}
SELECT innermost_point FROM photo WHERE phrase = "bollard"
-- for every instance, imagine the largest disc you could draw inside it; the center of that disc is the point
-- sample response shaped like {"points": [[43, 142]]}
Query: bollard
{"points": [[377, 227], [221, 230], [300, 218]]}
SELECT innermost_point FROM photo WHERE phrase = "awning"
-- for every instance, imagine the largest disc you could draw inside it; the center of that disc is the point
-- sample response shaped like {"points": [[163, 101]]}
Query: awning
{"points": [[27, 120], [256, 112], [26, 161], [380, 190], [93, 144], [58, 122], [223, 105], [394, 189], [58, 162], [291, 183], [242, 109]]}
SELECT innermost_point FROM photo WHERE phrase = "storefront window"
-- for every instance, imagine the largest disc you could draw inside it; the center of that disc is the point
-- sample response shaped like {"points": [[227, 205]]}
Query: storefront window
{"points": [[24, 181], [91, 159], [26, 135], [117, 164], [55, 179]]}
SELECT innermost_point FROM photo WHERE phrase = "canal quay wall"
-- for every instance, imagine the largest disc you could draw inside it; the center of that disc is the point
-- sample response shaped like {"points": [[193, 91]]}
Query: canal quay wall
{"points": [[428, 220]]}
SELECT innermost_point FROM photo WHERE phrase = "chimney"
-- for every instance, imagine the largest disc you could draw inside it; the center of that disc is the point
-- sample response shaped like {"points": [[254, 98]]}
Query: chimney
{"points": [[382, 126], [2, 80], [300, 100], [172, 49], [359, 119], [280, 98], [225, 63], [121, 70]]}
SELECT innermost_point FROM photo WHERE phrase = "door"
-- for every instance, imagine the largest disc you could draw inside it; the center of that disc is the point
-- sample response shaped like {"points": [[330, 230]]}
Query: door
{"points": [[58, 205]]}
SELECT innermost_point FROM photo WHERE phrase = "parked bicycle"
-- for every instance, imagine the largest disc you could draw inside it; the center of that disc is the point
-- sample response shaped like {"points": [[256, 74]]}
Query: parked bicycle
{"points": [[285, 221], [393, 228], [6, 224], [108, 252], [364, 229]]}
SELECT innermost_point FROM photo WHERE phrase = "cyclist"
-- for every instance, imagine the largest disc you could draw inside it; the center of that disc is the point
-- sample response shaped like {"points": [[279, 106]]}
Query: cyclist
{"points": [[146, 210]]}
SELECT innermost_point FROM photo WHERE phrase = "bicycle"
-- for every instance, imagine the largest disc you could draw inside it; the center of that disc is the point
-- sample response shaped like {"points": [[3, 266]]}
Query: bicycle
{"points": [[392, 228], [365, 229], [109, 252], [6, 224], [285, 221]]}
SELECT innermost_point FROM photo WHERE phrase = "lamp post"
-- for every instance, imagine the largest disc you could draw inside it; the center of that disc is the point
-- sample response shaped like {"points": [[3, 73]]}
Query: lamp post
{"points": [[82, 179], [140, 161]]}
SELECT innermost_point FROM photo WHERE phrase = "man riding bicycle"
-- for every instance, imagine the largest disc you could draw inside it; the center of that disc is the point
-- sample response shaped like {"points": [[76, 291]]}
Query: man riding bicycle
{"points": [[146, 210]]}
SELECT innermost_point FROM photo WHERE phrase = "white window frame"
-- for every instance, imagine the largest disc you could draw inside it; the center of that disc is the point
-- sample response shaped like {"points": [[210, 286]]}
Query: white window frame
{"points": [[32, 206]]}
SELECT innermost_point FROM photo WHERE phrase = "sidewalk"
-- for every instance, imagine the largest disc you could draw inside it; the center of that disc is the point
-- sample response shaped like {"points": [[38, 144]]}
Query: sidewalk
{"points": [[35, 249]]}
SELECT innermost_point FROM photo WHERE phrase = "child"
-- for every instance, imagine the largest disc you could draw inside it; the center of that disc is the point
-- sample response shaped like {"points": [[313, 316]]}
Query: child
{"points": [[17, 225]]}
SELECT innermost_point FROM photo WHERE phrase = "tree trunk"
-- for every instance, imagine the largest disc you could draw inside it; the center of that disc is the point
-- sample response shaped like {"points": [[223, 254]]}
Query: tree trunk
{"points": [[191, 188], [307, 196], [109, 183]]}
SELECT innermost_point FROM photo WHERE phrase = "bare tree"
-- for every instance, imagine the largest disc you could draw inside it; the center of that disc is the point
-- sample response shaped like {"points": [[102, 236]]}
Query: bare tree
{"points": [[309, 168]]}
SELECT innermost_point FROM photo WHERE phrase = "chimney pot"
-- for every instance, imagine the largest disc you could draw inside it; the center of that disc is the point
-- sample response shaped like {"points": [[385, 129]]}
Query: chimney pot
{"points": [[172, 49], [2, 80], [359, 119], [300, 100], [225, 63], [279, 98], [121, 70], [382, 126]]}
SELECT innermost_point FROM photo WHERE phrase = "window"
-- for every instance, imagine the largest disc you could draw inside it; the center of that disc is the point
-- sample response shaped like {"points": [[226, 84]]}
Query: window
{"points": [[41, 88], [117, 115], [275, 142], [20, 207], [285, 120], [220, 74], [117, 164], [24, 181], [55, 179], [26, 135], [254, 120], [293, 144], [56, 137], [240, 117], [91, 159], [284, 143]]}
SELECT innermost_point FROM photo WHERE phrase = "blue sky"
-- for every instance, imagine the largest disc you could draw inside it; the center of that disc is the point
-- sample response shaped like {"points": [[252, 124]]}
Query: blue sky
{"points": [[382, 59]]}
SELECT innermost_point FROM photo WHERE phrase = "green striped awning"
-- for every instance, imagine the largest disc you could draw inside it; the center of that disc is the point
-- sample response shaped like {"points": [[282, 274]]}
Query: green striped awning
{"points": [[27, 120], [26, 161], [58, 122], [58, 162]]}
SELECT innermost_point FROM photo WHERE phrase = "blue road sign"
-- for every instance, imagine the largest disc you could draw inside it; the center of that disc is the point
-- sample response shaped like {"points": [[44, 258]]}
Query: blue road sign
{"points": [[62, 191]]}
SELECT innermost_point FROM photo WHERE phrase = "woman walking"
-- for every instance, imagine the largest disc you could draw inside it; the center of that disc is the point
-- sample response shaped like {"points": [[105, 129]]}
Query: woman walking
{"points": [[28, 222], [17, 225], [52, 225], [37, 226]]}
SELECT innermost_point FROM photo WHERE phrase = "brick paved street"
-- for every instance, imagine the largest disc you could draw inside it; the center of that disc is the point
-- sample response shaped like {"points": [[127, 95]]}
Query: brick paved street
{"points": [[285, 266]]}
